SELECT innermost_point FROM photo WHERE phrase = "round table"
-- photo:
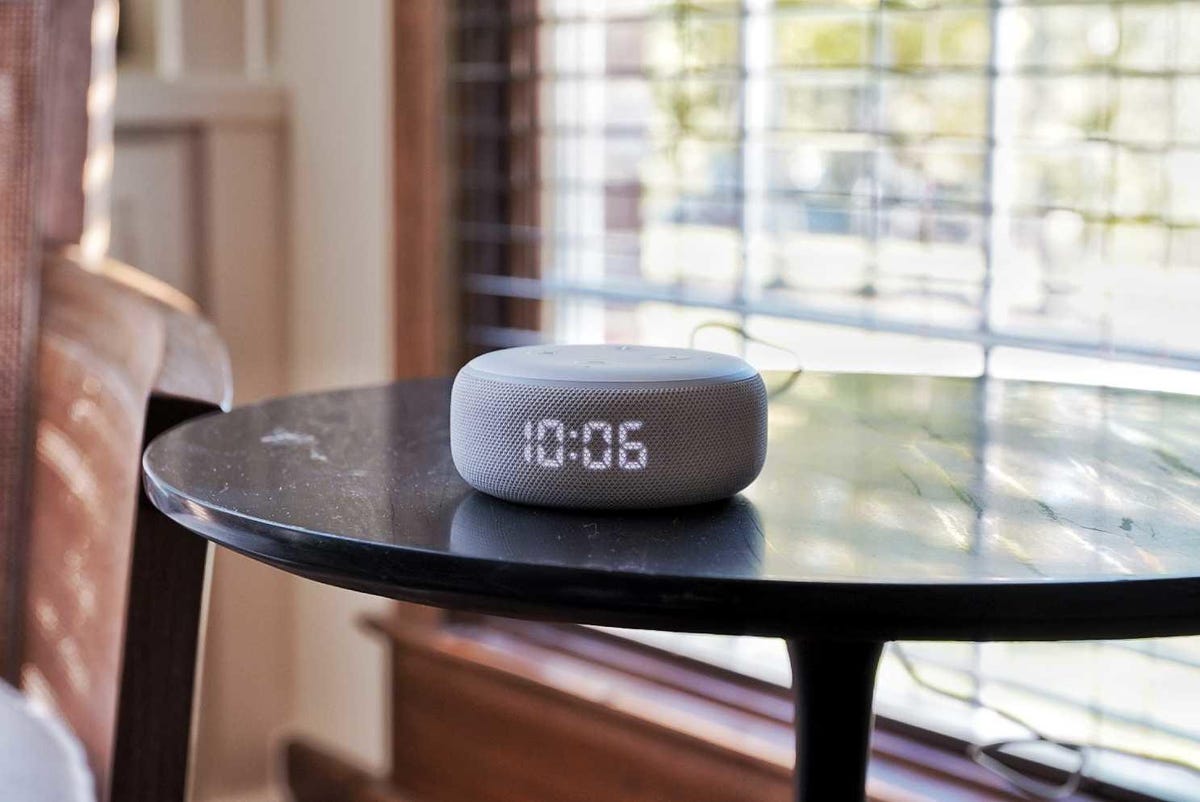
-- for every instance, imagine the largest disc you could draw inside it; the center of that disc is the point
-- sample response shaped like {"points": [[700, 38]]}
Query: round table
{"points": [[890, 508]]}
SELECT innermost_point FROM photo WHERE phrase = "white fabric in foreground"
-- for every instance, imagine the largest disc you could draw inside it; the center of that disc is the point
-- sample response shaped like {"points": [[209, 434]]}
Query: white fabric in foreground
{"points": [[40, 760]]}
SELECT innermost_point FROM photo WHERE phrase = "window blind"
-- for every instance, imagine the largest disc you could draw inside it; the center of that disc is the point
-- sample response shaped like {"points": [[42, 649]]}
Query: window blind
{"points": [[954, 187]]}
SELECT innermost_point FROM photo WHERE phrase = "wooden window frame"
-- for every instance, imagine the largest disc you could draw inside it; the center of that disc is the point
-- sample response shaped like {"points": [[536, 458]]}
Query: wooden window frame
{"points": [[426, 309]]}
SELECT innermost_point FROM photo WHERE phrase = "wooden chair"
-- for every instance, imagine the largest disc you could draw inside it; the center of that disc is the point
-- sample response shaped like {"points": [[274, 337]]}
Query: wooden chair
{"points": [[113, 590], [101, 597]]}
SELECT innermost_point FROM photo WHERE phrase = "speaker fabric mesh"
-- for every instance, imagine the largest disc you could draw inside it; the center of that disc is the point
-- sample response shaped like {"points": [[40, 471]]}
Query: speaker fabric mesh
{"points": [[703, 440]]}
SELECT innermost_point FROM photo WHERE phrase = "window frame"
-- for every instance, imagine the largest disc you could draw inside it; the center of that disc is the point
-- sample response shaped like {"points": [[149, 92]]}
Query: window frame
{"points": [[432, 311]]}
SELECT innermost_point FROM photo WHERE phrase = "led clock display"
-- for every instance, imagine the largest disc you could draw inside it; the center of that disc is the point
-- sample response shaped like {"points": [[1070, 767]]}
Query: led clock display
{"points": [[593, 446]]}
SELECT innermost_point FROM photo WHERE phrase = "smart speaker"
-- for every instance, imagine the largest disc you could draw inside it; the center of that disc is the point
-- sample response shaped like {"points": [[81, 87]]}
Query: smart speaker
{"points": [[608, 426]]}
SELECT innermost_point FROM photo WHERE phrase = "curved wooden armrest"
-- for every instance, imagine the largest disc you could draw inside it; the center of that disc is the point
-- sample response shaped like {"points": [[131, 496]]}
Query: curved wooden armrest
{"points": [[172, 350], [112, 597]]}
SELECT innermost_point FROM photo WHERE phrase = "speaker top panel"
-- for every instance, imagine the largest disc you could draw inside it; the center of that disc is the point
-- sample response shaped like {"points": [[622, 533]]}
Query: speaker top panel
{"points": [[610, 365]]}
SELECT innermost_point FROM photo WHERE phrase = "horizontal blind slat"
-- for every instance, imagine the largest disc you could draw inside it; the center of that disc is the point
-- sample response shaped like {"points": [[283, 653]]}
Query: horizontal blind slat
{"points": [[490, 20], [528, 288]]}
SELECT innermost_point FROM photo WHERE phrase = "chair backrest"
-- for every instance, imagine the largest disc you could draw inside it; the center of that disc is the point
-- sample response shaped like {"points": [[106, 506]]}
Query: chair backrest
{"points": [[22, 44], [45, 71], [113, 590]]}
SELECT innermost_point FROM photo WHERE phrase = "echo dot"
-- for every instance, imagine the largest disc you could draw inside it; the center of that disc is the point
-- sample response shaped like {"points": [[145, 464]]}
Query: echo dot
{"points": [[608, 426]]}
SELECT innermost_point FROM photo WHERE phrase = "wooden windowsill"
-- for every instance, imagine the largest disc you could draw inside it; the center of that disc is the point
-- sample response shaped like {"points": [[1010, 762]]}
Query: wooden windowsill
{"points": [[459, 685]]}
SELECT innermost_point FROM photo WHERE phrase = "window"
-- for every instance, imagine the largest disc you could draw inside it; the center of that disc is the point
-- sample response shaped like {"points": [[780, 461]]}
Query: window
{"points": [[952, 187]]}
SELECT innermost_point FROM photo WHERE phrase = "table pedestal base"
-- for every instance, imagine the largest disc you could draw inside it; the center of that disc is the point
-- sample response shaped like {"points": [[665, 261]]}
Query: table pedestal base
{"points": [[834, 683]]}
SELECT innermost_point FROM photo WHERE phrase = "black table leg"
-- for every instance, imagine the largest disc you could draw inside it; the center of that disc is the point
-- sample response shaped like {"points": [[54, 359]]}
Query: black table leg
{"points": [[834, 682]]}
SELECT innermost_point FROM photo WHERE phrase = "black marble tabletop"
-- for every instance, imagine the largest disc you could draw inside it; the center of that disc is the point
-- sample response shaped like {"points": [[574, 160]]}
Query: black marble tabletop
{"points": [[890, 507]]}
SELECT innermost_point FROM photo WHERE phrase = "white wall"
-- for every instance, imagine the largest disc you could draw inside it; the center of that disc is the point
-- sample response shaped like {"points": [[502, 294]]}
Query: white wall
{"points": [[334, 59], [197, 196], [302, 297]]}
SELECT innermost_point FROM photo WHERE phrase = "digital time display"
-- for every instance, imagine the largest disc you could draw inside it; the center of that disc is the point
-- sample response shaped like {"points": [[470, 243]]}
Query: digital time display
{"points": [[595, 446]]}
